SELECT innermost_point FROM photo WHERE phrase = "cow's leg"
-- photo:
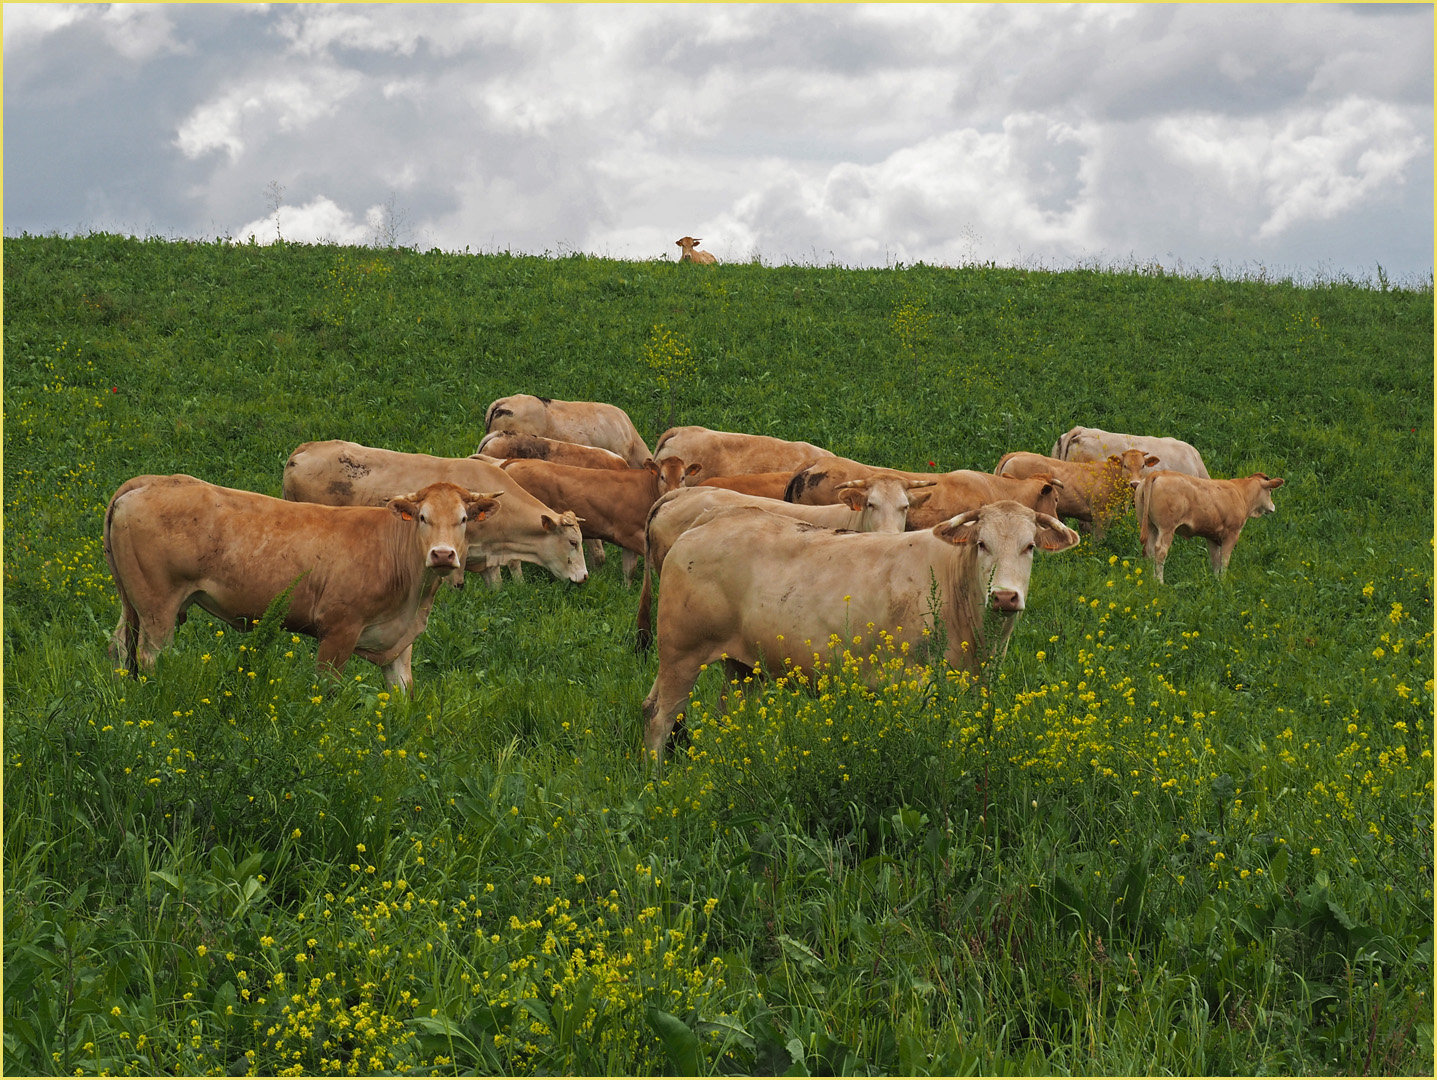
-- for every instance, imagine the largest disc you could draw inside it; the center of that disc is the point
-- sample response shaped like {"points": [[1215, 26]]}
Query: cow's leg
{"points": [[665, 703], [630, 560], [1162, 541], [399, 672], [734, 674], [1220, 552], [596, 553], [491, 576], [516, 569], [155, 630], [336, 645]]}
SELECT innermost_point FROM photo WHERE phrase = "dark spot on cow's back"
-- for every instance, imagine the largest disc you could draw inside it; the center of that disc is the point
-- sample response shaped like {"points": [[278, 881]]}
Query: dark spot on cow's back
{"points": [[800, 483], [807, 526], [353, 468], [341, 487], [545, 400]]}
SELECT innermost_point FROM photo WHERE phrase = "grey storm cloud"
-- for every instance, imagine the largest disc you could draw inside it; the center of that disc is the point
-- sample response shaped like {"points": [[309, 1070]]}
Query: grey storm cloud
{"points": [[1295, 137]]}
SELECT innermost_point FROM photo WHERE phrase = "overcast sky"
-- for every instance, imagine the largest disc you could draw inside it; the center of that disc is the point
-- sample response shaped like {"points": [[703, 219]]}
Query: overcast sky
{"points": [[1296, 138]]}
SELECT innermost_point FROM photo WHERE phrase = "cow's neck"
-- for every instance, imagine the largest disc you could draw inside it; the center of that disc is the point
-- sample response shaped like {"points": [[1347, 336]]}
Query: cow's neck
{"points": [[962, 606]]}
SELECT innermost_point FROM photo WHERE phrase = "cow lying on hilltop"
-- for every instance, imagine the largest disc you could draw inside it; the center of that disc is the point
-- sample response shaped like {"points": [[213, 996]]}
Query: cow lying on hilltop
{"points": [[751, 588], [593, 423], [363, 577]]}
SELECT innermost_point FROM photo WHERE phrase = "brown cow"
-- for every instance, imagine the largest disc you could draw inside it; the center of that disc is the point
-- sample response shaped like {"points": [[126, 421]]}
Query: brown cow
{"points": [[611, 505], [769, 485], [1092, 491], [363, 578], [880, 505], [339, 473], [592, 423], [1095, 444], [752, 588], [690, 252], [732, 453], [1175, 503], [953, 492]]}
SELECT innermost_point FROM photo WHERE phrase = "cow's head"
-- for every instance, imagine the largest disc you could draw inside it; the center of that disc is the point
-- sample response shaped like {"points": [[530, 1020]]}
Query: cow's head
{"points": [[883, 501], [563, 552], [1262, 502], [670, 472], [1133, 463], [442, 514], [1045, 493], [1004, 536]]}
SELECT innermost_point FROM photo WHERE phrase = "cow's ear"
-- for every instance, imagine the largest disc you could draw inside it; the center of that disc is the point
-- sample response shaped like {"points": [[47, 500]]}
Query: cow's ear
{"points": [[651, 466], [1151, 461], [853, 498], [918, 499], [694, 469], [1275, 482], [550, 525], [1053, 535], [962, 529], [404, 506], [479, 506]]}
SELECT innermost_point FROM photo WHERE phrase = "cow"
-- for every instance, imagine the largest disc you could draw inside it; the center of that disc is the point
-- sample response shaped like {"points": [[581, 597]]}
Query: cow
{"points": [[1094, 444], [770, 485], [732, 453], [751, 588], [611, 505], [592, 423], [690, 253], [362, 579], [1171, 503], [339, 473], [880, 505], [953, 492], [1093, 491], [499, 446]]}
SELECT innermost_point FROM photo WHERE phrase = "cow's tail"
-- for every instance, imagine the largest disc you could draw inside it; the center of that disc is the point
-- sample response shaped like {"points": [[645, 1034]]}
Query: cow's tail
{"points": [[644, 634], [998, 469], [1142, 497], [796, 484], [665, 437], [1065, 440], [125, 639], [494, 411]]}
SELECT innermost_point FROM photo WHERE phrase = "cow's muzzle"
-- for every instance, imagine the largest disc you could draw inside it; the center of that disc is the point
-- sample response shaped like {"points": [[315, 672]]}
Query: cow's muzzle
{"points": [[1006, 600]]}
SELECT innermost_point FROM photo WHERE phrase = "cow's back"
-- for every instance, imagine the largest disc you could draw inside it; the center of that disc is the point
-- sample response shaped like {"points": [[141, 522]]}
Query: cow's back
{"points": [[1095, 444], [593, 423], [734, 453]]}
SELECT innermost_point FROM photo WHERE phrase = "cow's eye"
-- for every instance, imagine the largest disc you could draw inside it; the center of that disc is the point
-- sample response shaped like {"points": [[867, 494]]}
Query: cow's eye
{"points": [[1029, 549], [982, 546]]}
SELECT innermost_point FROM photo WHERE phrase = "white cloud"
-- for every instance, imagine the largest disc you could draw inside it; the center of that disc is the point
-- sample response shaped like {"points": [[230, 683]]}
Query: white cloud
{"points": [[25, 24], [1309, 166], [320, 220], [139, 31], [288, 102]]}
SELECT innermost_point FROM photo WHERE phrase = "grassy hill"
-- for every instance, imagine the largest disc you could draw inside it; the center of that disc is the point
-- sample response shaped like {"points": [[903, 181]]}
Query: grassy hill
{"points": [[1184, 828]]}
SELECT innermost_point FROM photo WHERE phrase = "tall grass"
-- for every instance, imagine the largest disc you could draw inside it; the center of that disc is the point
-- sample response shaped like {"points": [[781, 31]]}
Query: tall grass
{"points": [[1183, 828]]}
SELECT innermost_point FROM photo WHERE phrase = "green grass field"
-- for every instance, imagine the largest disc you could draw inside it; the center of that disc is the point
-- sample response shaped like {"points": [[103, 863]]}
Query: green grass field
{"points": [[1183, 829]]}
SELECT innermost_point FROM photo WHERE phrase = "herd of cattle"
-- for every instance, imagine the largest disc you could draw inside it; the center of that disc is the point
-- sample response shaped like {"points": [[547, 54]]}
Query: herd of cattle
{"points": [[762, 547]]}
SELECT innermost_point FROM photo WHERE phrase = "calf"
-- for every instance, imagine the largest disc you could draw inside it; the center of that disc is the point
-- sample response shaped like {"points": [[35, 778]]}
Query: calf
{"points": [[362, 578], [751, 588], [611, 505], [1174, 503], [1092, 491]]}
